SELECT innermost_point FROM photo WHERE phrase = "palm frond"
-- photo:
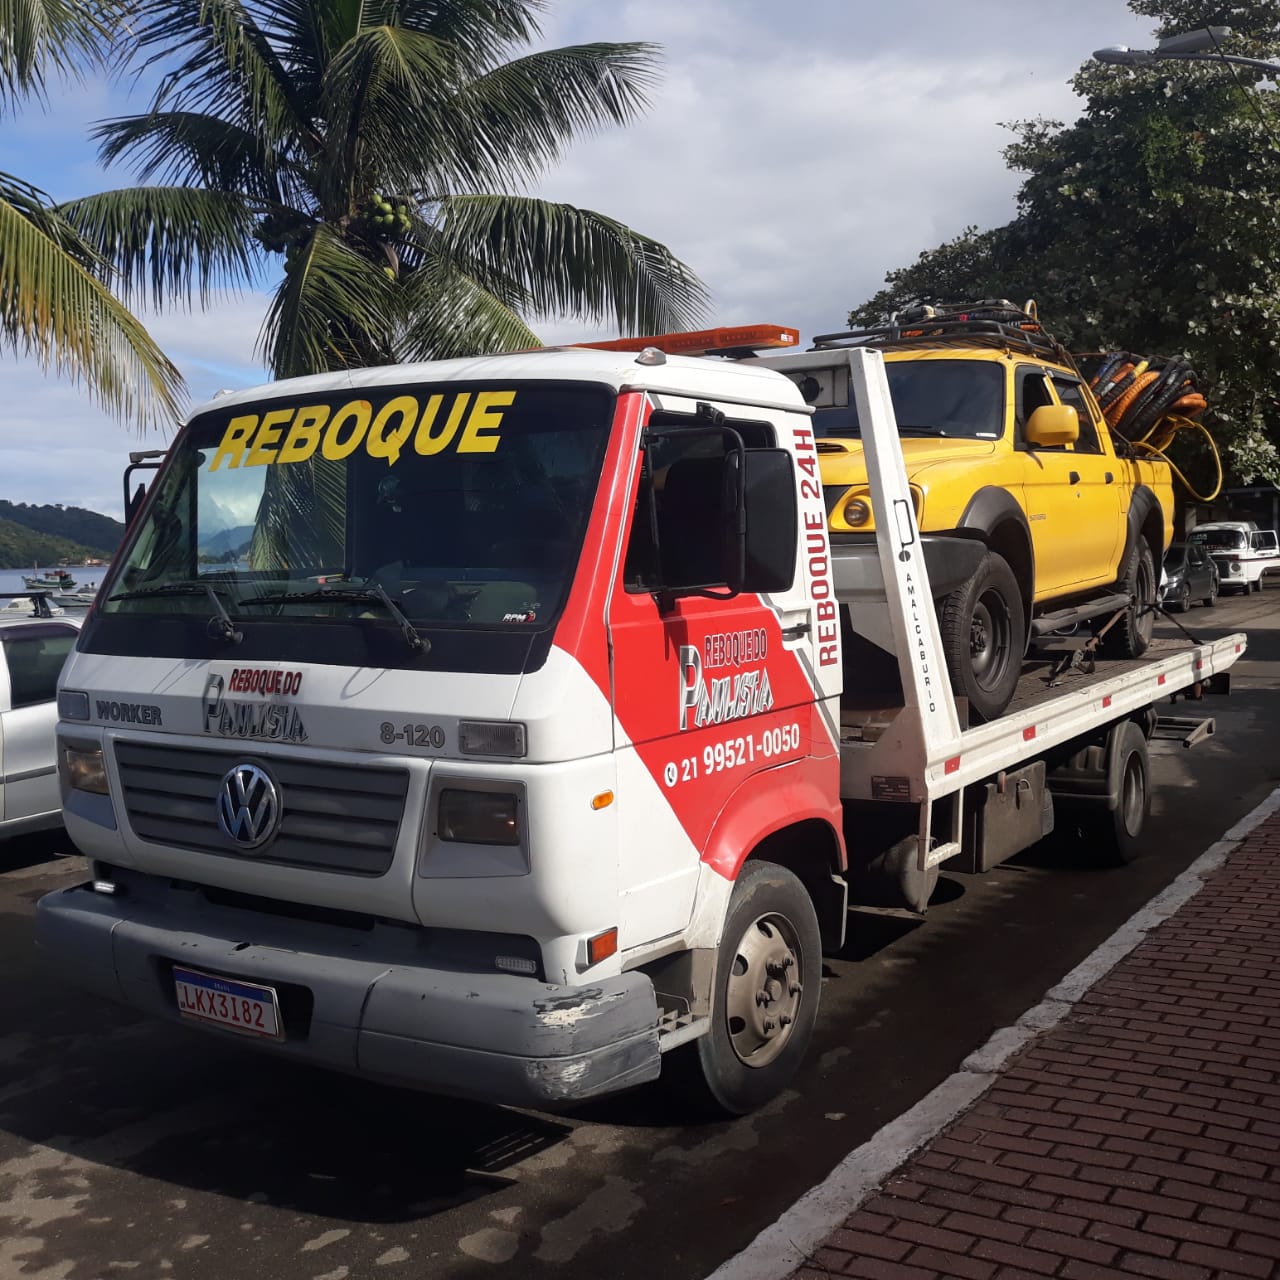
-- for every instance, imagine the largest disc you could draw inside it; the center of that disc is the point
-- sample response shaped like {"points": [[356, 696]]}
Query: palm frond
{"points": [[485, 30], [193, 149], [228, 65], [38, 36], [570, 260], [334, 310], [53, 308], [450, 313], [517, 118], [174, 241]]}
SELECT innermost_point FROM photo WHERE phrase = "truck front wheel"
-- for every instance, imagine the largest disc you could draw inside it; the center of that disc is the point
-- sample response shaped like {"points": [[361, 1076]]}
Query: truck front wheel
{"points": [[765, 1001], [984, 634]]}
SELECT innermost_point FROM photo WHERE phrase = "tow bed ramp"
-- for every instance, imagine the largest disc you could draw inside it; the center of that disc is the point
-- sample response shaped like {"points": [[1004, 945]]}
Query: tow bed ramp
{"points": [[921, 755]]}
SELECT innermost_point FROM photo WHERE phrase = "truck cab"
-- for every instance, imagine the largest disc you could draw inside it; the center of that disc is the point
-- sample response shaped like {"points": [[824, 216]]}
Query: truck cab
{"points": [[457, 696]]}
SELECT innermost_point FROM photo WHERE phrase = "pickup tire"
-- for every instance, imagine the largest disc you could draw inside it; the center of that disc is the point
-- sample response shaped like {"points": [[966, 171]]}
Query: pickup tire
{"points": [[984, 635], [1131, 635], [764, 1002]]}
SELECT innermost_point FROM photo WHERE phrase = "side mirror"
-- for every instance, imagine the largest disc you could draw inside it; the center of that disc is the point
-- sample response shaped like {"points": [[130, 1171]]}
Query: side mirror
{"points": [[1053, 424], [770, 533]]}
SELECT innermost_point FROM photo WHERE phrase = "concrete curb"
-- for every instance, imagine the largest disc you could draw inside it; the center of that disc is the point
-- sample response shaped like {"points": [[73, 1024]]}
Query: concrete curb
{"points": [[779, 1249]]}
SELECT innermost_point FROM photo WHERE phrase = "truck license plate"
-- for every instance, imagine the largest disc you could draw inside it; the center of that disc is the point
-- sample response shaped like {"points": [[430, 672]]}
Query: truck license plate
{"points": [[238, 1006]]}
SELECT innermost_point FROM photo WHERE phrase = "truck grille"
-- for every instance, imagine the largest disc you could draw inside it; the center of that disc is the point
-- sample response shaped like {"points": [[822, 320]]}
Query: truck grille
{"points": [[335, 817]]}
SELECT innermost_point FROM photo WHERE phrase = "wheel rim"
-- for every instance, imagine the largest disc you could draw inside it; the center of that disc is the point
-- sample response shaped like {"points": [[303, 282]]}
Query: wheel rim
{"points": [[990, 640], [1132, 795], [1144, 613], [764, 992]]}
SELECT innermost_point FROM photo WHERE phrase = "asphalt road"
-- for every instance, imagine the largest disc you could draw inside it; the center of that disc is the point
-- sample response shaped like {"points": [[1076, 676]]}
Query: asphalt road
{"points": [[139, 1150]]}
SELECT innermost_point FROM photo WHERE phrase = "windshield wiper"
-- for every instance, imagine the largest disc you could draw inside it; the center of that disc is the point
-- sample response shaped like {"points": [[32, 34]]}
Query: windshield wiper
{"points": [[359, 595], [920, 431], [220, 626]]}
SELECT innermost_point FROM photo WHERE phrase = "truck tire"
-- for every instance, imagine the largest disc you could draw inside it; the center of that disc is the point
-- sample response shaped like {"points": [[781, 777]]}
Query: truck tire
{"points": [[1117, 833], [1130, 636], [984, 635], [765, 999]]}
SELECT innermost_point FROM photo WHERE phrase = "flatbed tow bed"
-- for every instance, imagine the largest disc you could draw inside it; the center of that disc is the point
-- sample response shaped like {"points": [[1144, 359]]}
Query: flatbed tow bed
{"points": [[1072, 738]]}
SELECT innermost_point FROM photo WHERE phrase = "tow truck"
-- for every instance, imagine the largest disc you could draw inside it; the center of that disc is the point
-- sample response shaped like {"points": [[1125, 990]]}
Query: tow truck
{"points": [[515, 755]]}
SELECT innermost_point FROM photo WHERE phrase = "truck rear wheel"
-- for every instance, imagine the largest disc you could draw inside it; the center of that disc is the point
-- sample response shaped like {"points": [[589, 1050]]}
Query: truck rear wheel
{"points": [[984, 633], [1130, 636], [1118, 832], [765, 1001]]}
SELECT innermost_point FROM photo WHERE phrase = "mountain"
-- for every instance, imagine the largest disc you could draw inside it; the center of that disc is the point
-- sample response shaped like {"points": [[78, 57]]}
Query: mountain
{"points": [[234, 540], [95, 535], [20, 548]]}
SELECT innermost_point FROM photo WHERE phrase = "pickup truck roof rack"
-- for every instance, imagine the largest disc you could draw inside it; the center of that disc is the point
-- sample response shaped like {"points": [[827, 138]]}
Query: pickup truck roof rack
{"points": [[1027, 338], [989, 322]]}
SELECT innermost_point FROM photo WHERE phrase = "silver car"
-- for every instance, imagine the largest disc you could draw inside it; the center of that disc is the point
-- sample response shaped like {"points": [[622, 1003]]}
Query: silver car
{"points": [[32, 651]]}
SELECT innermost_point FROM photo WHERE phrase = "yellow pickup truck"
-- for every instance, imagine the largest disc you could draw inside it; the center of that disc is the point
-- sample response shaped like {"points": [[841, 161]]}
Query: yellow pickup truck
{"points": [[1004, 445]]}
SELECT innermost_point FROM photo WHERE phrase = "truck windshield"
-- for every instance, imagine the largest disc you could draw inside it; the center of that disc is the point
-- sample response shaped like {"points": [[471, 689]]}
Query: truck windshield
{"points": [[1220, 539], [963, 398], [465, 503]]}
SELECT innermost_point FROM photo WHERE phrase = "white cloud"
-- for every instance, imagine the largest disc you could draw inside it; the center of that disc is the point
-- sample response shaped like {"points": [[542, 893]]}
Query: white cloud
{"points": [[793, 154]]}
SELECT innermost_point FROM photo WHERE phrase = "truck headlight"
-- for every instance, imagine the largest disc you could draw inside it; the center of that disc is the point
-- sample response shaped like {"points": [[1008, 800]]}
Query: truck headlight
{"points": [[85, 769], [856, 512], [479, 817]]}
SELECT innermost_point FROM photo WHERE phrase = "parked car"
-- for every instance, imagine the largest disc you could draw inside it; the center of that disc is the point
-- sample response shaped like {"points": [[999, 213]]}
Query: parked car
{"points": [[32, 651], [1242, 552], [1189, 574]]}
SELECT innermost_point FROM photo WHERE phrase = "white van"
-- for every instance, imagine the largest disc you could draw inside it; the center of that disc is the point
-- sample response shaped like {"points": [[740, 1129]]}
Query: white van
{"points": [[1242, 552]]}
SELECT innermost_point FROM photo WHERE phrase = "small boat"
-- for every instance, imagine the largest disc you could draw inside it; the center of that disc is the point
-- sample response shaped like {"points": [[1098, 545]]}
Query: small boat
{"points": [[52, 580]]}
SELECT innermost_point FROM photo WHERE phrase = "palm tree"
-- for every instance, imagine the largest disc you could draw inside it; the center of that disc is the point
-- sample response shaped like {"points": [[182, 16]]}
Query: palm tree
{"points": [[55, 303], [373, 144]]}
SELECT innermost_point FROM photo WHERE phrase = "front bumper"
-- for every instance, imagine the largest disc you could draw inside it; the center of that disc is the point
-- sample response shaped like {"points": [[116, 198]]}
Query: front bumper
{"points": [[354, 999], [855, 560]]}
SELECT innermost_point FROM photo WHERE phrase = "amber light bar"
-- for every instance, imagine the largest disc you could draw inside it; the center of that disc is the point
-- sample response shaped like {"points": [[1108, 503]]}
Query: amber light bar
{"points": [[743, 337]]}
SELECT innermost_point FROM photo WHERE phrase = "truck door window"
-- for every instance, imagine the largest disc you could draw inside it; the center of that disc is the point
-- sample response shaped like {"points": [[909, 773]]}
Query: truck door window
{"points": [[1069, 393], [35, 662]]}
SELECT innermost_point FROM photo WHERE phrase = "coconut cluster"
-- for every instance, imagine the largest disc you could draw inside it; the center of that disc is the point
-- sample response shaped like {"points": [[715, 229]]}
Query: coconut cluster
{"points": [[384, 217]]}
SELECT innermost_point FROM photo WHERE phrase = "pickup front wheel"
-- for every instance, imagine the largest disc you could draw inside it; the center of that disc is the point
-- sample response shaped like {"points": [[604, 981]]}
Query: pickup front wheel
{"points": [[984, 633]]}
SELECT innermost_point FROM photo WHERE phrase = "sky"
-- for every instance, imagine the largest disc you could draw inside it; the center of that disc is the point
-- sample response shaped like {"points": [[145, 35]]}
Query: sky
{"points": [[793, 154]]}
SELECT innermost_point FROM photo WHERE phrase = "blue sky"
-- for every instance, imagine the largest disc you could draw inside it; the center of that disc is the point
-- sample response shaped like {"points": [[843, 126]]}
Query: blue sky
{"points": [[794, 153]]}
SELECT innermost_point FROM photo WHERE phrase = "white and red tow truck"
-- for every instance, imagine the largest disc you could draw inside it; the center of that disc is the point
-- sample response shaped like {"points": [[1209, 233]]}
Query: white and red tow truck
{"points": [[482, 726]]}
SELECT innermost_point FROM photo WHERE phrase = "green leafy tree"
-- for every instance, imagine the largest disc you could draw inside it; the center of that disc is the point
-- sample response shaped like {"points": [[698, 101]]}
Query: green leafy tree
{"points": [[374, 147], [55, 298], [1151, 224]]}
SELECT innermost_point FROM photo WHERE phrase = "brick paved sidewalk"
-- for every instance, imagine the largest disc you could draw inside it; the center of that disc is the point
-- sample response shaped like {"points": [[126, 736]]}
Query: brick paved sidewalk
{"points": [[1139, 1136]]}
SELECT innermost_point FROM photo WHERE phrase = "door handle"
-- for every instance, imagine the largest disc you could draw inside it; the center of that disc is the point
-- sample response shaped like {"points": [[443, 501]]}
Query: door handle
{"points": [[794, 633], [1073, 477], [1108, 477]]}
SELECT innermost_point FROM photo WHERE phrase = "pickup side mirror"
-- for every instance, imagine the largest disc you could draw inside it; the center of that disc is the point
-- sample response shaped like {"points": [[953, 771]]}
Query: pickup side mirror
{"points": [[1052, 424], [727, 524]]}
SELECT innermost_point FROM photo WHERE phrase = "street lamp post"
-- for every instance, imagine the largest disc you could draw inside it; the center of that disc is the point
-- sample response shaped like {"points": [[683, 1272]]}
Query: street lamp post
{"points": [[1190, 46]]}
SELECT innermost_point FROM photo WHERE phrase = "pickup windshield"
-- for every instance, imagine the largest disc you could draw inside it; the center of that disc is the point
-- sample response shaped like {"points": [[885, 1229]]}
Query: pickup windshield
{"points": [[960, 398], [466, 503]]}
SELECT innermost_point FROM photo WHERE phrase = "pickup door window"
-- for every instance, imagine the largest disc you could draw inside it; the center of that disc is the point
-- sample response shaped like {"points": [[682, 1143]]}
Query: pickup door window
{"points": [[1072, 498]]}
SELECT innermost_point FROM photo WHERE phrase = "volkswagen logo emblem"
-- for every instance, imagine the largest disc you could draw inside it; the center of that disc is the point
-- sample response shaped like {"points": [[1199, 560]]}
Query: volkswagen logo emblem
{"points": [[248, 806]]}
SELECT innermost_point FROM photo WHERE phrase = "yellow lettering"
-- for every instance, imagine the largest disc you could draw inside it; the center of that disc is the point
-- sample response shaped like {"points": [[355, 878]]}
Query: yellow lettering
{"points": [[235, 440], [269, 433], [426, 443], [483, 420], [384, 444], [358, 413], [304, 435]]}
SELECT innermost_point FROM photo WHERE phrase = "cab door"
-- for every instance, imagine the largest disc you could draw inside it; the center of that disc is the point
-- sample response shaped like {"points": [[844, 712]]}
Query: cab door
{"points": [[709, 690], [1073, 547]]}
